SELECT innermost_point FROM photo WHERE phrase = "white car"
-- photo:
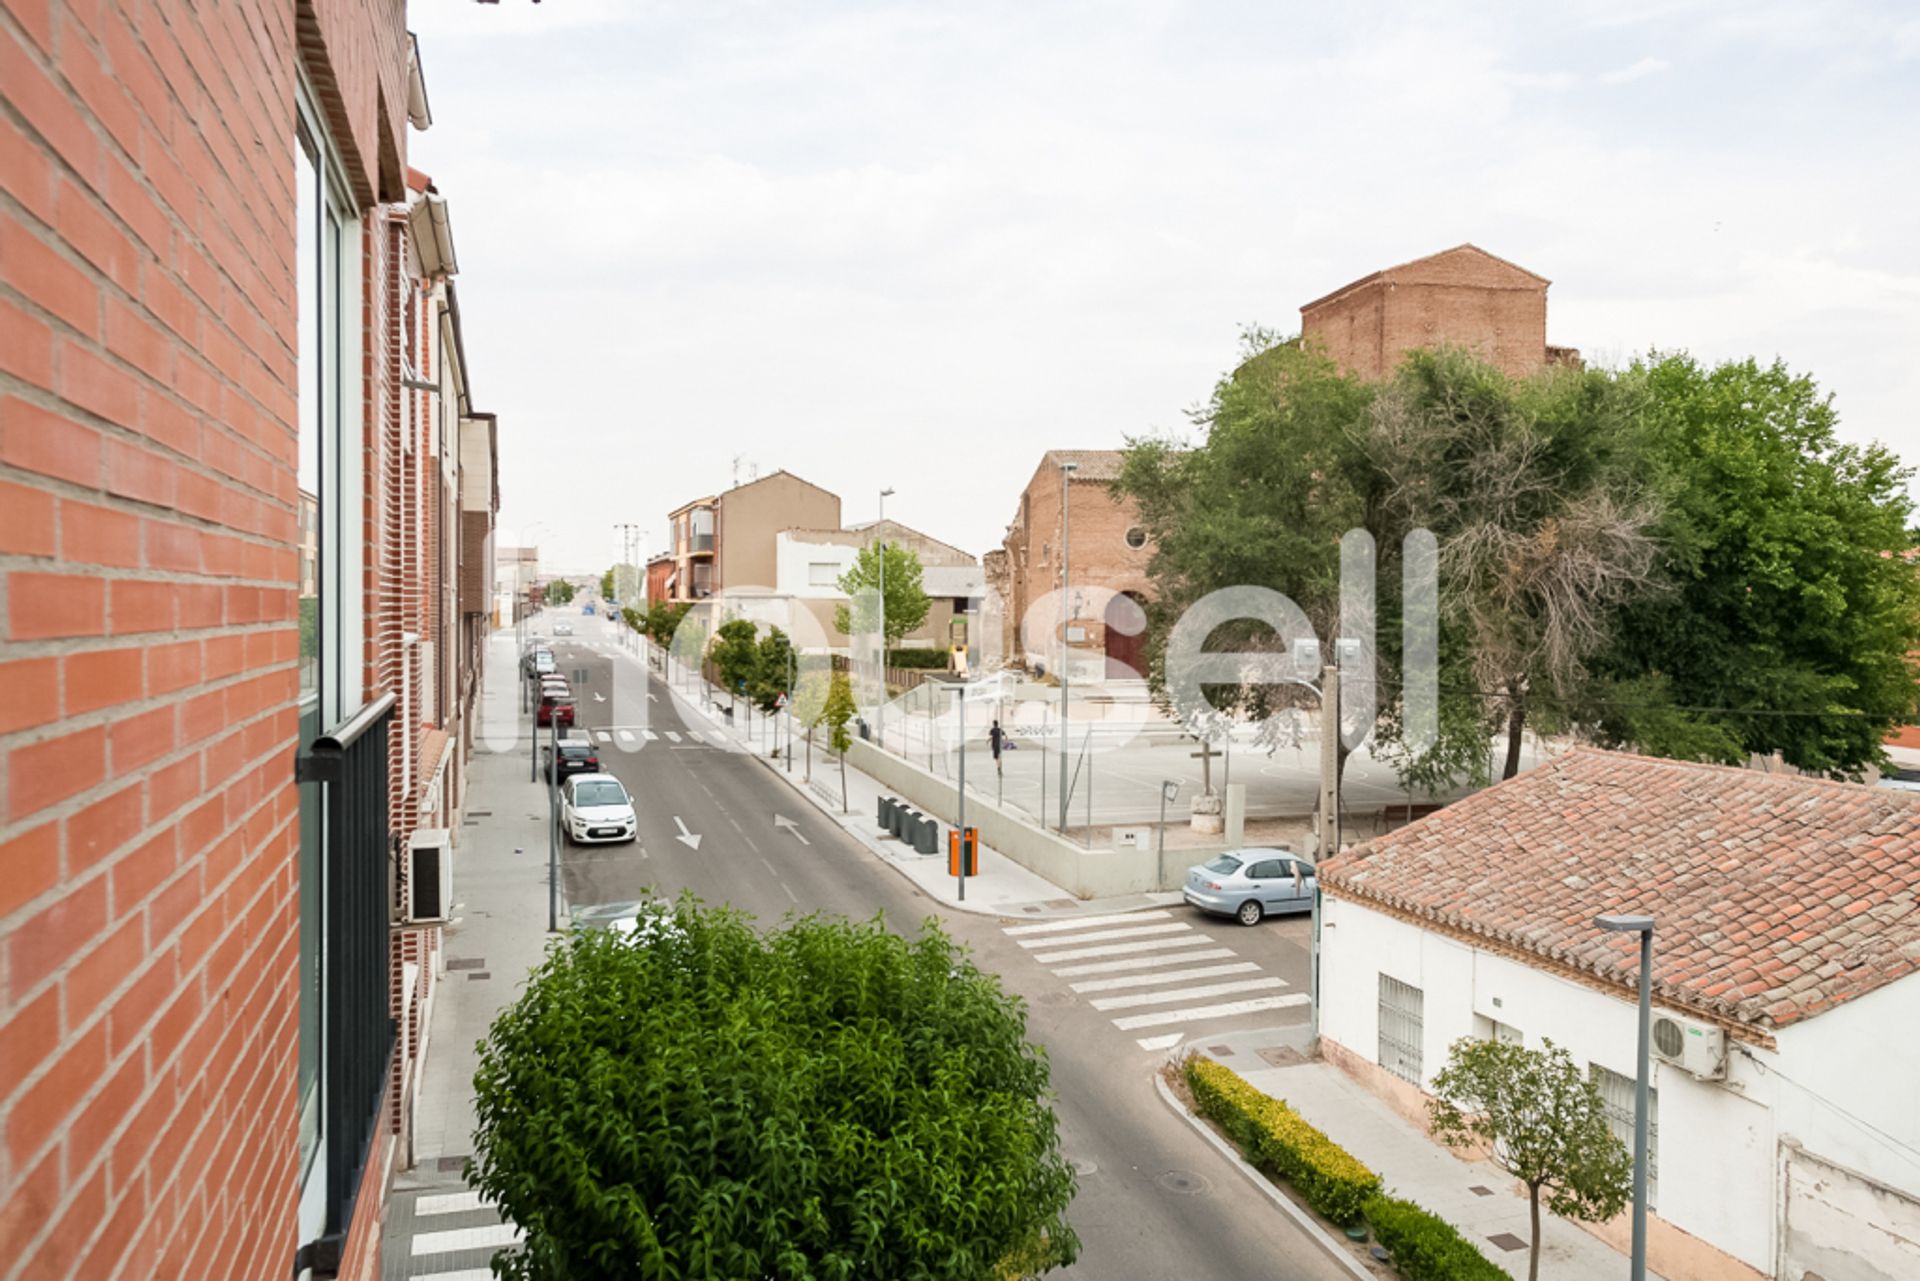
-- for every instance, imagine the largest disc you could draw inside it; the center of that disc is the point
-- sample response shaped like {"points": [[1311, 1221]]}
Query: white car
{"points": [[563, 629], [595, 807]]}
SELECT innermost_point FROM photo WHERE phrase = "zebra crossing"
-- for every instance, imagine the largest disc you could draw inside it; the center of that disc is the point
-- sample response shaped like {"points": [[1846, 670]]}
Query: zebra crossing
{"points": [[1154, 974], [444, 1236], [632, 736]]}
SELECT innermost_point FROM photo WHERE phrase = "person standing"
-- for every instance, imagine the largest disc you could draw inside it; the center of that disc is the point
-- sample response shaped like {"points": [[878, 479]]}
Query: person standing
{"points": [[996, 739]]}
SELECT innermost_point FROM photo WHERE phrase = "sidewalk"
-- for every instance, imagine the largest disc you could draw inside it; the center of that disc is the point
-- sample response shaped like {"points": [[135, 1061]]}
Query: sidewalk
{"points": [[1475, 1196], [496, 935], [1003, 887]]}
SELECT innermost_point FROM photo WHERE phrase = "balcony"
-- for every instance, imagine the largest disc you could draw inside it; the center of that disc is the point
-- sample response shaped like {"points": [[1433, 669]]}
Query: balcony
{"points": [[700, 544]]}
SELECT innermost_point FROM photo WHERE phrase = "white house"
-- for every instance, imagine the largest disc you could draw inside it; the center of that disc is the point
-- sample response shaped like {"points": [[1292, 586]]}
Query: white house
{"points": [[1786, 1082]]}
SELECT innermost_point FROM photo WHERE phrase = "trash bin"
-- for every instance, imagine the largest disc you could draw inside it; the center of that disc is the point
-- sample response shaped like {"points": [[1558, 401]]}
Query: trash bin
{"points": [[897, 820], [884, 813], [971, 839], [860, 723], [929, 841]]}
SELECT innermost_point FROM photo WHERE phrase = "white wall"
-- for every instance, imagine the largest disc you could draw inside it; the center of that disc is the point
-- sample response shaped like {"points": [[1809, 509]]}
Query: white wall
{"points": [[793, 559], [1851, 1085], [1716, 1148]]}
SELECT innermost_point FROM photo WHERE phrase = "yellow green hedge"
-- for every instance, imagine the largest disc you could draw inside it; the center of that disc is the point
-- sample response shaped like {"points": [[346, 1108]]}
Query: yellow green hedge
{"points": [[1279, 1141]]}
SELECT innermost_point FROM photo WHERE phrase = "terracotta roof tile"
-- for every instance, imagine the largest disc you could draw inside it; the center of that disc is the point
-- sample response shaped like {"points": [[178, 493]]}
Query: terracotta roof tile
{"points": [[1775, 896]]}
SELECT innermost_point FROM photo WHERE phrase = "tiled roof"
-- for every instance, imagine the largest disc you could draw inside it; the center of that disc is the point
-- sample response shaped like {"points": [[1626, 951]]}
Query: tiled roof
{"points": [[1091, 464], [1774, 896]]}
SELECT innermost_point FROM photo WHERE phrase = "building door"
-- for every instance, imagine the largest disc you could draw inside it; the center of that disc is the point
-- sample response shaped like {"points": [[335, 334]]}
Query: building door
{"points": [[1126, 637]]}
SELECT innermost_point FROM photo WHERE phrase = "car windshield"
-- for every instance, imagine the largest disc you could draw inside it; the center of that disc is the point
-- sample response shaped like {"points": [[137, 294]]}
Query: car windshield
{"points": [[575, 749], [1225, 863], [607, 793]]}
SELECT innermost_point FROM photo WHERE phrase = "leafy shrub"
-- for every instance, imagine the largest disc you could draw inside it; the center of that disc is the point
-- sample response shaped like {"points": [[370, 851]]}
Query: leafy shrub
{"points": [[921, 659], [1426, 1247], [1280, 1141]]}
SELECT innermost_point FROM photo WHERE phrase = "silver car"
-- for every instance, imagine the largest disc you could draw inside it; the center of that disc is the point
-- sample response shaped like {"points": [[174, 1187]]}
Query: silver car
{"points": [[1252, 883]]}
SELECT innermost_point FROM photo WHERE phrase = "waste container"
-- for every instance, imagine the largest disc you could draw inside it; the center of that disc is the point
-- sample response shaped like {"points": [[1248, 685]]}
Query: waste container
{"points": [[884, 812], [897, 820], [929, 834], [971, 840]]}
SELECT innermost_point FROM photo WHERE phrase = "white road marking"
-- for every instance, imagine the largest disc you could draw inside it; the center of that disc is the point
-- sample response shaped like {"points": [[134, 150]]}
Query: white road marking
{"points": [[1164, 976], [484, 1238], [1121, 949], [448, 1203], [1231, 1008], [603, 736], [689, 839], [649, 735], [672, 737], [1101, 936], [781, 820], [1055, 927], [1164, 1042], [1143, 962], [789, 889], [770, 867], [1138, 999]]}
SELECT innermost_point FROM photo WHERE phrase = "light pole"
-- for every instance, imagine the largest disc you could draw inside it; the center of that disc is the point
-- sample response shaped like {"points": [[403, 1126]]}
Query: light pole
{"points": [[1066, 619], [1643, 926], [880, 530]]}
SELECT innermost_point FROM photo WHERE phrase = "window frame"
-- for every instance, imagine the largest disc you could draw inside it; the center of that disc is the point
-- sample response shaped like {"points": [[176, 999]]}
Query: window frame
{"points": [[1402, 1030]]}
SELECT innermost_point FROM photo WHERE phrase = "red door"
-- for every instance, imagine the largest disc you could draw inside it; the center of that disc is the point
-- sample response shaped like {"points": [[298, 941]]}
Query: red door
{"points": [[1126, 639]]}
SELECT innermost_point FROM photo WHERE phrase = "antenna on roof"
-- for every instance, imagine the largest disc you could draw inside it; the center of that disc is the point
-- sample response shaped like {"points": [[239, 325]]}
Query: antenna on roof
{"points": [[736, 469]]}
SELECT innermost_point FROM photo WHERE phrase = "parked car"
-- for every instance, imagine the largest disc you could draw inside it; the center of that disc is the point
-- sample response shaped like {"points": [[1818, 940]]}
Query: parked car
{"points": [[1252, 883], [595, 807], [538, 661], [556, 708], [577, 756], [563, 629]]}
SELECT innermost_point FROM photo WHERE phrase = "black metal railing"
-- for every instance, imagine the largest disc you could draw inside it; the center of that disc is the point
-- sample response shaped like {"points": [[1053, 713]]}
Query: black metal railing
{"points": [[350, 762]]}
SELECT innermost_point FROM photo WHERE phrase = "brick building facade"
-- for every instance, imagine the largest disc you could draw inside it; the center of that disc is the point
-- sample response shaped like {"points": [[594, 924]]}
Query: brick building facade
{"points": [[213, 325], [1460, 297]]}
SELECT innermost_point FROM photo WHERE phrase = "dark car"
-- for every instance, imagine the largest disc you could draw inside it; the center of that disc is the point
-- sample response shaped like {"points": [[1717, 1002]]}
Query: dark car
{"points": [[576, 757], [554, 709]]}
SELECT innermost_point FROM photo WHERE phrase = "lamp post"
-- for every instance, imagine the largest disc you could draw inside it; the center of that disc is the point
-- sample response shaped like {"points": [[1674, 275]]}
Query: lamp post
{"points": [[1066, 618], [1643, 926], [880, 717]]}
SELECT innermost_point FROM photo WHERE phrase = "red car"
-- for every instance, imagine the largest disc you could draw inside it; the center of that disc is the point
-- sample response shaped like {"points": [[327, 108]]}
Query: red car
{"points": [[554, 709]]}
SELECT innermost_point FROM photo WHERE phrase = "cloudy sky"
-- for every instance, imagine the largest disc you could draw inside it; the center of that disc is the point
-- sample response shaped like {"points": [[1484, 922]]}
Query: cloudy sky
{"points": [[913, 245]]}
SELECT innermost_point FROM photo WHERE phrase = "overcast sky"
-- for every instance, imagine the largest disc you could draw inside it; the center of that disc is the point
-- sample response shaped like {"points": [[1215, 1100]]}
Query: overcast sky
{"points": [[913, 245]]}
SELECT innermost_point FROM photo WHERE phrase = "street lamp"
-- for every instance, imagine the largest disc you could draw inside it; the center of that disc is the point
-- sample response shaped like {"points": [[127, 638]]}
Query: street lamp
{"points": [[1643, 926], [880, 530], [1066, 618]]}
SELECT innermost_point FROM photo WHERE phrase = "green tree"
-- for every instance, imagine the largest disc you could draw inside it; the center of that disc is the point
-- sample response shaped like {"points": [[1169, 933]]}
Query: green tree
{"points": [[773, 665], [559, 592], [906, 602], [663, 619], [1542, 1121], [606, 585], [825, 1099], [838, 710], [736, 654], [633, 618], [1791, 611]]}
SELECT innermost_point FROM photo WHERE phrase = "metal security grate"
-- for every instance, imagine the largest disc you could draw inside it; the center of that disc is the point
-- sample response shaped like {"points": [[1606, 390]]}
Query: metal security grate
{"points": [[1401, 1005], [1616, 1096]]}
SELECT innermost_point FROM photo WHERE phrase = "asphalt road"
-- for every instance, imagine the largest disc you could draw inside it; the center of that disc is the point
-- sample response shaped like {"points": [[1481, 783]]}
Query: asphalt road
{"points": [[1154, 1201]]}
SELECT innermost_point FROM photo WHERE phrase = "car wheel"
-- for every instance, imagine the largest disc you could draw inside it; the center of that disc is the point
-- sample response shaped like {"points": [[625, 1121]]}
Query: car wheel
{"points": [[1250, 913]]}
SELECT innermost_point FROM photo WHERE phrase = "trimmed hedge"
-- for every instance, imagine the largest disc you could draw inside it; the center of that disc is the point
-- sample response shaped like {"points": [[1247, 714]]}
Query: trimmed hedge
{"points": [[927, 659], [1426, 1247], [1280, 1141]]}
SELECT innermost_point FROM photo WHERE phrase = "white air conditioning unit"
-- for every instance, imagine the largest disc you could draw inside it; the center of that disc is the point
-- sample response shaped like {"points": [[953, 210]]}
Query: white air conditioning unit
{"points": [[1698, 1049], [429, 875]]}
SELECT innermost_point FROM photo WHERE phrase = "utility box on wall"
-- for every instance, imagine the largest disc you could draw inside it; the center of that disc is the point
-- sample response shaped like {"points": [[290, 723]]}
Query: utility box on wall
{"points": [[429, 875]]}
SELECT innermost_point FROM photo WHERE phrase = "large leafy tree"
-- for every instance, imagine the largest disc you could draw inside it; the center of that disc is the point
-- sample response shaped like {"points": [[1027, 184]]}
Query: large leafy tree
{"points": [[823, 1100], [560, 591], [1541, 1121], [906, 602], [736, 654], [606, 584], [1792, 610], [774, 664]]}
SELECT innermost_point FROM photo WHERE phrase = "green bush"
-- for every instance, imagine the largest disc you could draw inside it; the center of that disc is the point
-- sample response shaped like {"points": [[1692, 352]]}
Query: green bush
{"points": [[1280, 1141], [923, 659], [1426, 1247]]}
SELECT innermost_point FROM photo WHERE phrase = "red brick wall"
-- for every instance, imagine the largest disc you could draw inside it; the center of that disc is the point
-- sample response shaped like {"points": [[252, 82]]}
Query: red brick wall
{"points": [[1458, 299], [148, 563], [1099, 552]]}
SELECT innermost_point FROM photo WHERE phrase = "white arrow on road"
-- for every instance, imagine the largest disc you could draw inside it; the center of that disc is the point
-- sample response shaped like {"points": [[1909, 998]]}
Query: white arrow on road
{"points": [[599, 698], [781, 820], [689, 839]]}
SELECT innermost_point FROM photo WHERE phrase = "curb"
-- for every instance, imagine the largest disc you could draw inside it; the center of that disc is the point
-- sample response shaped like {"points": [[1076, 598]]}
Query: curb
{"points": [[1337, 1252]]}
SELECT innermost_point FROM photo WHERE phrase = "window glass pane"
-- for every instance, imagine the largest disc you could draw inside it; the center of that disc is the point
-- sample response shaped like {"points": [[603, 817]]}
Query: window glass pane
{"points": [[307, 267], [1617, 1097]]}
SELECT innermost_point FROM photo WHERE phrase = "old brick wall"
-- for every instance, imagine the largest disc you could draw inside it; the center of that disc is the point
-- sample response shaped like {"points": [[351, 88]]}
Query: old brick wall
{"points": [[1098, 551], [1459, 298], [148, 569]]}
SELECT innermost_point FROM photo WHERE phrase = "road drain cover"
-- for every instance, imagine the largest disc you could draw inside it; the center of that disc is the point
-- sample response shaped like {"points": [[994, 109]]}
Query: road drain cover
{"points": [[1184, 1182]]}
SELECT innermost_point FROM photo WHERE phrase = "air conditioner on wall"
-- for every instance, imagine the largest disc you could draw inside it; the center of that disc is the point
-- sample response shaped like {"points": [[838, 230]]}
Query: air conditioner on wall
{"points": [[1698, 1049], [430, 874]]}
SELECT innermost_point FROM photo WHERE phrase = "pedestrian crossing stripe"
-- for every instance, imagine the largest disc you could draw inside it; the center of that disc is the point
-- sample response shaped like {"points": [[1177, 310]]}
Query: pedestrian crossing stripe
{"points": [[1134, 999], [449, 1203], [1164, 976], [672, 737], [1228, 1010], [1166, 1041], [1101, 936], [487, 1237], [1143, 962], [1084, 922], [1121, 949]]}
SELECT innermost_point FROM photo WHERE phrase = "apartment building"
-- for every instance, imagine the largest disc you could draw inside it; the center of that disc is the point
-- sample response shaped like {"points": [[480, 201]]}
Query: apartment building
{"points": [[236, 462]]}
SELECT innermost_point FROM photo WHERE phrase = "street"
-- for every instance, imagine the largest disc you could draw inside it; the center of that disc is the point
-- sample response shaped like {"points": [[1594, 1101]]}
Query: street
{"points": [[1154, 1200]]}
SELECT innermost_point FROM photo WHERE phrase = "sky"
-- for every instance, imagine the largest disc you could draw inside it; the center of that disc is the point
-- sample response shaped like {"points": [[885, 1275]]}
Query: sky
{"points": [[912, 246]]}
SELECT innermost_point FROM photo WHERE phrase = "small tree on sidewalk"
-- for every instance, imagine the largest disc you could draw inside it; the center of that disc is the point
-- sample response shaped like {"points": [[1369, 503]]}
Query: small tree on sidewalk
{"points": [[1544, 1124], [838, 711]]}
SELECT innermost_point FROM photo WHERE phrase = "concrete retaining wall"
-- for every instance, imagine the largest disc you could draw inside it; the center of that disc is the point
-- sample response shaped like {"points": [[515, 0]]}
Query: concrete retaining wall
{"points": [[1080, 872]]}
